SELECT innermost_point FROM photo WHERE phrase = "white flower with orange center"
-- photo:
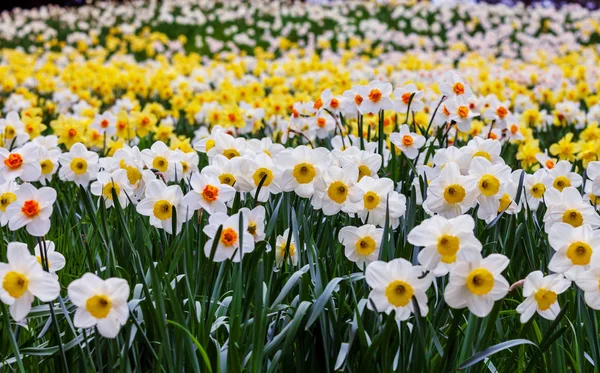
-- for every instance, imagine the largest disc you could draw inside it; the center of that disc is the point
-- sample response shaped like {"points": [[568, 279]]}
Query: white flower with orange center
{"points": [[408, 142], [575, 248], [546, 161], [452, 85], [408, 97], [22, 279], [541, 295], [374, 97], [460, 112], [208, 193], [361, 244], [441, 240], [234, 241], [394, 285], [105, 123], [160, 204], [336, 190], [323, 123], [108, 182], [476, 282], [331, 102], [100, 303], [498, 112], [22, 163], [32, 209], [78, 165], [450, 194]]}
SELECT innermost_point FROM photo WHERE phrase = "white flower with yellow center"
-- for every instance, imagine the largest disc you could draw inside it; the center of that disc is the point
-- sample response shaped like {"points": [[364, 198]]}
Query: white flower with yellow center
{"points": [[378, 198], [100, 303], [589, 282], [265, 145], [48, 160], [55, 260], [568, 207], [7, 196], [443, 156], [160, 201], [441, 240], [408, 142], [208, 193], [22, 279], [476, 282], [22, 163], [300, 168], [226, 145], [491, 181], [478, 147], [336, 190], [228, 242], [562, 177], [536, 186], [12, 130], [368, 163], [107, 182], [186, 166], [394, 284], [159, 157], [575, 248], [593, 174], [260, 170], [256, 221], [361, 244], [286, 251], [78, 165], [31, 210], [450, 194], [541, 295]]}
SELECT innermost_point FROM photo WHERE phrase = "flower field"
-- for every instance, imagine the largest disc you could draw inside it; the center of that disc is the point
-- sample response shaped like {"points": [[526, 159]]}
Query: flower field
{"points": [[199, 186]]}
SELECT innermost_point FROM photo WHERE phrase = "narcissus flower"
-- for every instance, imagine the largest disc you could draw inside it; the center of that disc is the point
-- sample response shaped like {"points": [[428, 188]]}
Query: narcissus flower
{"points": [[442, 239], [408, 142], [158, 204], [78, 165], [541, 295], [589, 281], [107, 182], [476, 282], [374, 97], [491, 182], [22, 279], [100, 303], [208, 193], [394, 284], [56, 261], [32, 209], [361, 244], [22, 163], [7, 196], [285, 251], [337, 190], [535, 186], [568, 207], [228, 244], [301, 167], [562, 177], [575, 248], [256, 221], [451, 194]]}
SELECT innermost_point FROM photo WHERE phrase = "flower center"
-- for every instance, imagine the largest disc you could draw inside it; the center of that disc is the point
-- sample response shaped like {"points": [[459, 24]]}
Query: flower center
{"points": [[6, 199], [489, 185], [573, 217], [30, 208], [561, 183], [133, 174], [454, 193], [338, 191], [226, 178], [15, 284], [334, 103], [375, 95], [545, 298], [363, 171], [291, 250], [252, 228], [304, 173], [505, 201], [98, 306], [458, 88], [104, 123], [231, 153], [399, 293], [210, 193], [163, 209], [514, 129], [407, 140], [371, 200], [14, 161], [10, 132], [47, 166], [448, 246], [321, 122], [358, 100], [579, 253], [480, 281], [72, 132], [108, 188], [538, 190], [483, 154], [229, 237], [501, 112], [365, 245], [263, 173], [160, 163], [318, 104], [463, 112], [406, 98], [549, 164], [79, 166]]}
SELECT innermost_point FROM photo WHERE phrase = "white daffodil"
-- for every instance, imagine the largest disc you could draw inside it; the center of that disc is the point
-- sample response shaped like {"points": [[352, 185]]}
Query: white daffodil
{"points": [[361, 244], [574, 248], [450, 194], [228, 245], [78, 165], [56, 261], [336, 190], [31, 210], [301, 167], [22, 163], [158, 204], [256, 221], [541, 295], [208, 193], [408, 142], [378, 199], [107, 182]]}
